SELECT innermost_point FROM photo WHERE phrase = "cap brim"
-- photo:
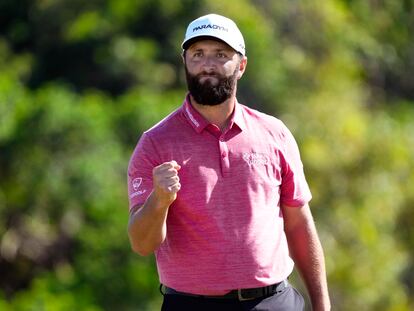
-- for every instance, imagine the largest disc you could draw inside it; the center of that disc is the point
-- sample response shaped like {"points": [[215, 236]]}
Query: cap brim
{"points": [[189, 42]]}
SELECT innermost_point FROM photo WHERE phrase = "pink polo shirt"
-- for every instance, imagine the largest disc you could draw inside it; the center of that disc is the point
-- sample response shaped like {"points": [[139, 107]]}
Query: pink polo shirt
{"points": [[225, 229]]}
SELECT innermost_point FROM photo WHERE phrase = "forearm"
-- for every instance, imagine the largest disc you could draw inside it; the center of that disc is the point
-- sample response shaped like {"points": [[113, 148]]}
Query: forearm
{"points": [[147, 227], [307, 253], [309, 258]]}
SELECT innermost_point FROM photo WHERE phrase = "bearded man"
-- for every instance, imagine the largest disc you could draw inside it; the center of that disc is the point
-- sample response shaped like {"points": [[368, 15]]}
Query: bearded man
{"points": [[217, 191]]}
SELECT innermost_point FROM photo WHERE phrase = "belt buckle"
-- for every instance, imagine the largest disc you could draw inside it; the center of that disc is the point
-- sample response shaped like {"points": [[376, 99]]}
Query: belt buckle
{"points": [[240, 296]]}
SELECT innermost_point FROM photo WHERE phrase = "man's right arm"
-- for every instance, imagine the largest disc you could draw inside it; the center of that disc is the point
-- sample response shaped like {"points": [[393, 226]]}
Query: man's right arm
{"points": [[147, 227]]}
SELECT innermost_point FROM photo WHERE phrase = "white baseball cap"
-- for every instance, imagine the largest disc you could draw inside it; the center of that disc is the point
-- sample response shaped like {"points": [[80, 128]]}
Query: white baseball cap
{"points": [[217, 26]]}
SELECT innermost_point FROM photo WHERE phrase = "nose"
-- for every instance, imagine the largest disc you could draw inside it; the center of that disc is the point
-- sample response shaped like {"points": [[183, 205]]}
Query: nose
{"points": [[209, 62]]}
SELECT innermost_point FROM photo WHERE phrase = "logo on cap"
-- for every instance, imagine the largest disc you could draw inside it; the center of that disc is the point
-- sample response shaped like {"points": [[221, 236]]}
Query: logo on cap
{"points": [[210, 26]]}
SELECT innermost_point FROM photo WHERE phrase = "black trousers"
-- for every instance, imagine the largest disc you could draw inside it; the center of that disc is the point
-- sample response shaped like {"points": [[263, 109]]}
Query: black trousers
{"points": [[287, 300]]}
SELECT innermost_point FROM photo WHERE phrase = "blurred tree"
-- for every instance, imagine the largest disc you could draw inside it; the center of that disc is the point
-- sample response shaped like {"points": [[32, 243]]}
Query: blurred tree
{"points": [[79, 82]]}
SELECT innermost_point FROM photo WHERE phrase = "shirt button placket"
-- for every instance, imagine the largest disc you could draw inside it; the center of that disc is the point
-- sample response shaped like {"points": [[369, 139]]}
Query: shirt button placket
{"points": [[224, 157]]}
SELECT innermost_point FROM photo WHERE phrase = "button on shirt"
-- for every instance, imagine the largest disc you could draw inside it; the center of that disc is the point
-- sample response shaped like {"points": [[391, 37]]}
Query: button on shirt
{"points": [[225, 229]]}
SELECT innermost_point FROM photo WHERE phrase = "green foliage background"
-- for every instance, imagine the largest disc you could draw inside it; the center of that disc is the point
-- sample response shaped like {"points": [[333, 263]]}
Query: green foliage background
{"points": [[81, 80]]}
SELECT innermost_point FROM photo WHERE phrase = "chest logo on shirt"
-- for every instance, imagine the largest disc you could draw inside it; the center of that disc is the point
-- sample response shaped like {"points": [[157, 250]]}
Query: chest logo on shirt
{"points": [[255, 158]]}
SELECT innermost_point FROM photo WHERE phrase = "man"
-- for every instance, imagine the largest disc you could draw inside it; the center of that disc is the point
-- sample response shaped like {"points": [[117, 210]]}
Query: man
{"points": [[217, 192]]}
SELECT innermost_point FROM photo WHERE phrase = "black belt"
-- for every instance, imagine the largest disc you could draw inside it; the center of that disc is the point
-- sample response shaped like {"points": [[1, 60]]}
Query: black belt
{"points": [[240, 294]]}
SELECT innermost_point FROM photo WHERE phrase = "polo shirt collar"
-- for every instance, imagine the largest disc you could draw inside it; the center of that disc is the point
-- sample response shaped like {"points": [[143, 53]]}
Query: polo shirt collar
{"points": [[238, 117], [199, 123]]}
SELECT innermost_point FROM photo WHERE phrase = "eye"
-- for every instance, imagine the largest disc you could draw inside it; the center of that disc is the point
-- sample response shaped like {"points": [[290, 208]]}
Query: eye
{"points": [[198, 54], [221, 55]]}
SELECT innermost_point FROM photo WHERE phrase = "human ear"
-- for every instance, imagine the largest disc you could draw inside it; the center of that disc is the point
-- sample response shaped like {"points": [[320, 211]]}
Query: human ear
{"points": [[183, 56], [242, 66]]}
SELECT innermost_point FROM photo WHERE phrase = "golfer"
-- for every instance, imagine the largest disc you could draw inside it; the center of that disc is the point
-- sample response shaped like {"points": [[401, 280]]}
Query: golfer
{"points": [[217, 191]]}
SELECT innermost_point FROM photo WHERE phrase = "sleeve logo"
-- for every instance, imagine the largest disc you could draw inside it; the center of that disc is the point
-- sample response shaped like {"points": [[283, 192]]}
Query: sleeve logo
{"points": [[136, 183]]}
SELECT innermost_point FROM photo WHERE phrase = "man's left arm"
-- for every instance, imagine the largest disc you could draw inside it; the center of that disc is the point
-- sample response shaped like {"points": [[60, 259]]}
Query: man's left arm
{"points": [[307, 253]]}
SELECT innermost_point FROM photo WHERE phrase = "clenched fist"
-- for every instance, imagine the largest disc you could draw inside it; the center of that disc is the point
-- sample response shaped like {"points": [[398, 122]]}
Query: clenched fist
{"points": [[166, 181]]}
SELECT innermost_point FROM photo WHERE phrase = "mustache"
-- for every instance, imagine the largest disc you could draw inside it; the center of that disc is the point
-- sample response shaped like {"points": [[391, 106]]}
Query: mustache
{"points": [[208, 74]]}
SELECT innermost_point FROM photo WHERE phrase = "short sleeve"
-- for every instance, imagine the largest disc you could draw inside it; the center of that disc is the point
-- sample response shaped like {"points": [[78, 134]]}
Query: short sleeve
{"points": [[295, 190], [143, 160]]}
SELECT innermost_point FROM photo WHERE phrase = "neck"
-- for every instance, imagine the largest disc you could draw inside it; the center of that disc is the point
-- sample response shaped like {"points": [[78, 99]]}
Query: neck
{"points": [[218, 115]]}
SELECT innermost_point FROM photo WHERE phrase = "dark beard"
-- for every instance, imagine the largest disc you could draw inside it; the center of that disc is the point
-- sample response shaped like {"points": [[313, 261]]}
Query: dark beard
{"points": [[208, 94]]}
